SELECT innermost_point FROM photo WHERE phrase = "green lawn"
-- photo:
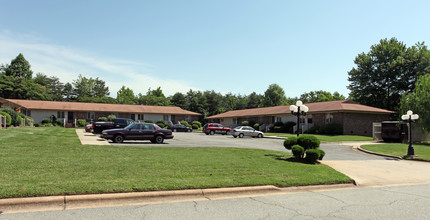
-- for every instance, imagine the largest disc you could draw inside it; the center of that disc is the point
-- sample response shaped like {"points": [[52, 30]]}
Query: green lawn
{"points": [[397, 149], [327, 138], [51, 161]]}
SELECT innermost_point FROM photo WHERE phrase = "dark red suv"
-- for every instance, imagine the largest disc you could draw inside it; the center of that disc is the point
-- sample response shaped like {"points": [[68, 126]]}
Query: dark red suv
{"points": [[215, 128]]}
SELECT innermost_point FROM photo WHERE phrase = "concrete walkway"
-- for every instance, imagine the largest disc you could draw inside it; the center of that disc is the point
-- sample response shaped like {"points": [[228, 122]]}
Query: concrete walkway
{"points": [[371, 170], [87, 138]]}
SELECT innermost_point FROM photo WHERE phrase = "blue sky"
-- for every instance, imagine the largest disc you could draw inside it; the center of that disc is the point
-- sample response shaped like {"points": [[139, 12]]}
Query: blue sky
{"points": [[226, 46]]}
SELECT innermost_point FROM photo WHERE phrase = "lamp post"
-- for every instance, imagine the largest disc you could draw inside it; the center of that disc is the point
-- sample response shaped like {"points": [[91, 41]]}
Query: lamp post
{"points": [[298, 109], [410, 117]]}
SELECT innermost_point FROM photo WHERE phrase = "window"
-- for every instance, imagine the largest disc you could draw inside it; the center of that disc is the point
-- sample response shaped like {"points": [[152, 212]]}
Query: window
{"points": [[309, 119], [148, 127], [60, 114], [91, 115], [328, 118], [165, 117], [278, 119], [136, 127], [140, 117]]}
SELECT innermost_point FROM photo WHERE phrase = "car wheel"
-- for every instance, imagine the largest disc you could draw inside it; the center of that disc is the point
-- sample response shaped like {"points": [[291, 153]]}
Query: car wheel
{"points": [[174, 130], [159, 139], [227, 132], [241, 135], [259, 135], [206, 133], [235, 136], [212, 132], [118, 138]]}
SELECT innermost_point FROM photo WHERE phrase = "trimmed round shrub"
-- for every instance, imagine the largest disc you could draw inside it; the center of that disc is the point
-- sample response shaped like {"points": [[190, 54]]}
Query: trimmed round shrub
{"points": [[278, 129], [195, 126], [59, 122], [183, 122], [199, 125], [102, 119], [308, 141], [321, 153], [314, 130], [290, 142], [13, 114], [245, 123], [331, 128], [297, 151], [81, 122], [18, 120], [312, 155], [256, 126], [8, 118], [111, 117], [149, 121], [46, 121], [279, 124], [161, 123], [288, 126]]}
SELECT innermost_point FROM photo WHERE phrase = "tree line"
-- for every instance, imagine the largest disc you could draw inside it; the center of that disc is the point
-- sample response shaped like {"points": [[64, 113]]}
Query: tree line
{"points": [[17, 82]]}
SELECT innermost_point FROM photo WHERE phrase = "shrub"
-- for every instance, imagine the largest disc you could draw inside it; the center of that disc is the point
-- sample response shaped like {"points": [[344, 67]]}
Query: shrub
{"points": [[46, 121], [183, 122], [278, 123], [27, 119], [18, 120], [13, 114], [195, 126], [288, 126], [102, 119], [199, 125], [312, 155], [59, 122], [81, 122], [256, 126], [161, 123], [111, 117], [314, 130], [149, 121], [278, 129], [245, 123], [290, 142], [331, 128], [297, 151], [308, 141], [321, 153], [8, 118]]}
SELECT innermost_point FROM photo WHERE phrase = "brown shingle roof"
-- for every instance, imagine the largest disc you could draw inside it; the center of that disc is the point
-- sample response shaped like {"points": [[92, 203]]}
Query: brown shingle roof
{"points": [[99, 107], [340, 105]]}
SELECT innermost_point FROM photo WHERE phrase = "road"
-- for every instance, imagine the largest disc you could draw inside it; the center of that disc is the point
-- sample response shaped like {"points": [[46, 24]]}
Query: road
{"points": [[397, 202]]}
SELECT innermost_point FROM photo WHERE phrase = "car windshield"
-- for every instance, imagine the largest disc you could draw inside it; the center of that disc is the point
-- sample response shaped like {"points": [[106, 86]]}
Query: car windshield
{"points": [[129, 126], [157, 127]]}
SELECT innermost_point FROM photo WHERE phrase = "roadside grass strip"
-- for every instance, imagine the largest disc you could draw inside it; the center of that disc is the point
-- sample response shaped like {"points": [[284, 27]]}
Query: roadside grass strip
{"points": [[51, 161], [398, 149], [327, 138]]}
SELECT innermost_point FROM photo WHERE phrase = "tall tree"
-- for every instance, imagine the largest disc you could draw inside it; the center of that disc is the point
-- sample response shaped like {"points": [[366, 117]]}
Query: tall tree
{"points": [[19, 67], [274, 96], [178, 99], [85, 88], [320, 96], [125, 96], [386, 72], [254, 100], [419, 101], [51, 85]]}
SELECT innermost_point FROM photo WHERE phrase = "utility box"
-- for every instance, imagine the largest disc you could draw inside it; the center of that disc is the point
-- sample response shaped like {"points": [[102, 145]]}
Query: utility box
{"points": [[394, 131]]}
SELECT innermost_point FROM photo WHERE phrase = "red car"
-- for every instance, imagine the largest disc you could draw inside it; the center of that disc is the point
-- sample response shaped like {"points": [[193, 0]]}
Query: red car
{"points": [[215, 128]]}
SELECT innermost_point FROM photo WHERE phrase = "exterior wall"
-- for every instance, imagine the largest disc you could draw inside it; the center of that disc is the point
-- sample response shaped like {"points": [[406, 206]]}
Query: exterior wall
{"points": [[39, 115], [361, 123]]}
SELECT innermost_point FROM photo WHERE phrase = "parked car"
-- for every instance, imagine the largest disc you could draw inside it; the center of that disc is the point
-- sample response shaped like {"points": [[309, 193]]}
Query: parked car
{"points": [[98, 127], [215, 128], [138, 131], [89, 128], [179, 127], [242, 131]]}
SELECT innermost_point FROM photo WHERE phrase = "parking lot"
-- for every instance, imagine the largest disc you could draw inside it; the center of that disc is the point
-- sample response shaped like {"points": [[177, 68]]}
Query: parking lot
{"points": [[198, 139]]}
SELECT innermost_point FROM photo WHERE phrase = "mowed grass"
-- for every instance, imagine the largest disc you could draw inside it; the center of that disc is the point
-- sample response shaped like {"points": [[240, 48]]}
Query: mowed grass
{"points": [[398, 149], [51, 161], [327, 138]]}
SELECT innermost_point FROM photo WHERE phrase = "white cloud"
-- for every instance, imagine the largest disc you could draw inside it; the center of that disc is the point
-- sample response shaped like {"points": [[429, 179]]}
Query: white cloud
{"points": [[67, 63]]}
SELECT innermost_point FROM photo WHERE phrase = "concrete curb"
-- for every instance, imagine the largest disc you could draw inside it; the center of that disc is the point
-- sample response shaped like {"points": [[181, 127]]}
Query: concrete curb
{"points": [[378, 154], [275, 137], [50, 203]]}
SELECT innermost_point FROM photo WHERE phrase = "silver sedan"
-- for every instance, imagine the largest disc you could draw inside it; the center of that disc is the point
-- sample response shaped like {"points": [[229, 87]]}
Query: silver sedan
{"points": [[242, 131]]}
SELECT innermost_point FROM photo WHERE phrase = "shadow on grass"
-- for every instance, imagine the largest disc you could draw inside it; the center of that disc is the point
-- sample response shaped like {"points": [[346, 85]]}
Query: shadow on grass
{"points": [[289, 159]]}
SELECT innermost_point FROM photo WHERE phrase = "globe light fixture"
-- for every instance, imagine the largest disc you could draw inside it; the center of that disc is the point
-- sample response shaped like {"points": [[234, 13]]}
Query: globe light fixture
{"points": [[298, 110], [410, 117]]}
